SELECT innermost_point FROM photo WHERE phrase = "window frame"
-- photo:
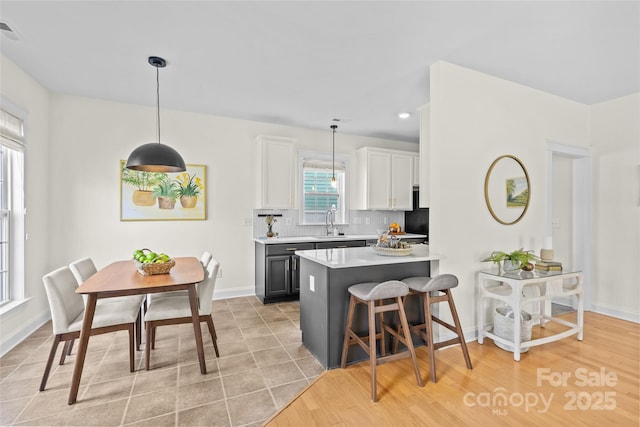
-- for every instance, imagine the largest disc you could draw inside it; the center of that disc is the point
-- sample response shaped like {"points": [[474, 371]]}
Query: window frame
{"points": [[311, 156], [5, 229], [15, 209]]}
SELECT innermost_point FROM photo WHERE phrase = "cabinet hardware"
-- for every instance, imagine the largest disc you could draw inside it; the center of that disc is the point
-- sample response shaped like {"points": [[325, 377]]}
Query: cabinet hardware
{"points": [[292, 249], [286, 265], [342, 246]]}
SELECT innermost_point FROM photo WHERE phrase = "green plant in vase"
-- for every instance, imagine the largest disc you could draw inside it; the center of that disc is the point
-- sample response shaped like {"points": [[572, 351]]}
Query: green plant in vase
{"points": [[167, 192], [512, 261], [144, 183], [189, 189]]}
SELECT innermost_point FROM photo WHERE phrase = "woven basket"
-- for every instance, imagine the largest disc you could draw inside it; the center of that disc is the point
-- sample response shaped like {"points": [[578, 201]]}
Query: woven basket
{"points": [[153, 268], [392, 252], [503, 327]]}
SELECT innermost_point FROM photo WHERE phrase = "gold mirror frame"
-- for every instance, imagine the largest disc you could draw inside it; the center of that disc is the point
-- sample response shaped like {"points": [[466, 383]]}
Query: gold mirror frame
{"points": [[486, 189]]}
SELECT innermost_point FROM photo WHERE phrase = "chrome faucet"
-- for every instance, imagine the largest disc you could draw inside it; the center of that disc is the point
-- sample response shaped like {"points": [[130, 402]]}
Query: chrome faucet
{"points": [[329, 221]]}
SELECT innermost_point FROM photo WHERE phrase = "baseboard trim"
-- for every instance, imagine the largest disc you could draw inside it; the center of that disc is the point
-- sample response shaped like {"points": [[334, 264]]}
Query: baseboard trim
{"points": [[614, 312], [24, 333], [218, 295]]}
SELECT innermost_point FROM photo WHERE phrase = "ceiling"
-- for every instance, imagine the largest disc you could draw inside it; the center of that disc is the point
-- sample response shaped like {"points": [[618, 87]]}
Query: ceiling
{"points": [[303, 63]]}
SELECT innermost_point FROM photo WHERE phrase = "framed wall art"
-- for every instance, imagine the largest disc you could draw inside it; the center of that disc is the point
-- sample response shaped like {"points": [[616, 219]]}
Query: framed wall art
{"points": [[517, 192], [159, 196]]}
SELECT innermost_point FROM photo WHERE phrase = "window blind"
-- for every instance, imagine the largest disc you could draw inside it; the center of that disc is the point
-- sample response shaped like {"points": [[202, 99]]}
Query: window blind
{"points": [[323, 165], [11, 131]]}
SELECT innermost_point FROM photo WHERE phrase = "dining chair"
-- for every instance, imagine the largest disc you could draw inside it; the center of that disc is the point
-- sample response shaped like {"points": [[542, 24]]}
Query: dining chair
{"points": [[84, 268], [67, 315], [205, 259], [177, 309]]}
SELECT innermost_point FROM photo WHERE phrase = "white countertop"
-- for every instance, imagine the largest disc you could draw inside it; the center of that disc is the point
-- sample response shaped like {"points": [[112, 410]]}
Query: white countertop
{"points": [[314, 239], [360, 257]]}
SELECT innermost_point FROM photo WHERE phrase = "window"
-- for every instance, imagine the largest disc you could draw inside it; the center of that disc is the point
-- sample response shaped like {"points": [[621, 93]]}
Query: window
{"points": [[319, 195], [11, 207]]}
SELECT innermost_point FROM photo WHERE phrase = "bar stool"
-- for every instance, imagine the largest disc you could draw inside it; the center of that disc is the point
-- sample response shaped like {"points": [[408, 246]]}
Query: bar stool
{"points": [[423, 286], [373, 295]]}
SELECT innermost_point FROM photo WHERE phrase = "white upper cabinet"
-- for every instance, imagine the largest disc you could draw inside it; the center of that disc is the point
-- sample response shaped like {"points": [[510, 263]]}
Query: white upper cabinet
{"points": [[276, 173], [402, 181], [385, 179], [377, 183]]}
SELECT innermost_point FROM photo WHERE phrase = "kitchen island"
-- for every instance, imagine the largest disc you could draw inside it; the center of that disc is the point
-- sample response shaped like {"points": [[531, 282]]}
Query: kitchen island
{"points": [[325, 276]]}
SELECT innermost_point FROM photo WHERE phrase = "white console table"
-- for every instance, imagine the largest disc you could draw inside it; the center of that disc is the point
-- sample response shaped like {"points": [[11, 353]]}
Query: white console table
{"points": [[509, 288]]}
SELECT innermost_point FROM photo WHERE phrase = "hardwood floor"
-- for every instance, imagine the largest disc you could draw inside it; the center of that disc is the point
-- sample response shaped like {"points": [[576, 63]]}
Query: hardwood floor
{"points": [[594, 382]]}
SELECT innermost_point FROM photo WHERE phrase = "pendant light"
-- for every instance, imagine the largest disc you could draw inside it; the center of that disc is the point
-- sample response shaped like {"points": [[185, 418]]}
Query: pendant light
{"points": [[156, 157], [333, 158]]}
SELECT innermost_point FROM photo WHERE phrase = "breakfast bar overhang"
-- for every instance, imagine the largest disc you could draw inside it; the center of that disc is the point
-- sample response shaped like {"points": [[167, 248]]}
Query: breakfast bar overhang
{"points": [[325, 276]]}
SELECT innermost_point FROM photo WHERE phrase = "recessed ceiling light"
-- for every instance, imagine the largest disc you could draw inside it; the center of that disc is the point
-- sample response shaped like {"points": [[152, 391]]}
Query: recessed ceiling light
{"points": [[404, 115]]}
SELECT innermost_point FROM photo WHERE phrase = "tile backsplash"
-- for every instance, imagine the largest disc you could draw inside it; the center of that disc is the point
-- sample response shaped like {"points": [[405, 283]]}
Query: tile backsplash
{"points": [[360, 222]]}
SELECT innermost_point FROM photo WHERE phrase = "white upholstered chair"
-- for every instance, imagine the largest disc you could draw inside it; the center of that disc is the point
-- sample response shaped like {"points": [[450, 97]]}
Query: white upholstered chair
{"points": [[67, 314], [205, 259], [84, 268], [176, 309]]}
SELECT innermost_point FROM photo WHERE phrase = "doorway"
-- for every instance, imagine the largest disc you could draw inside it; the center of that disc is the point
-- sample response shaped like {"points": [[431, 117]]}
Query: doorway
{"points": [[569, 210]]}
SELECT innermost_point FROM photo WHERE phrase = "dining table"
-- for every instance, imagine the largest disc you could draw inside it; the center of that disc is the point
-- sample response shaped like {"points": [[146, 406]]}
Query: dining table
{"points": [[122, 278]]}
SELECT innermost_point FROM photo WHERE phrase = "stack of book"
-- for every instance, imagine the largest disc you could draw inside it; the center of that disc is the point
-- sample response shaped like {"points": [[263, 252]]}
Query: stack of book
{"points": [[549, 265]]}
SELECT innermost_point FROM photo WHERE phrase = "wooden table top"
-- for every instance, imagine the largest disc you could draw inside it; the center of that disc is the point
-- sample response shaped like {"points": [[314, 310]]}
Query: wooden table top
{"points": [[122, 277]]}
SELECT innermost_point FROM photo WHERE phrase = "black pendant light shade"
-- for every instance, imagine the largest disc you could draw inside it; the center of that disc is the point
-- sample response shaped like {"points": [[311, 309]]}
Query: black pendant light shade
{"points": [[156, 157]]}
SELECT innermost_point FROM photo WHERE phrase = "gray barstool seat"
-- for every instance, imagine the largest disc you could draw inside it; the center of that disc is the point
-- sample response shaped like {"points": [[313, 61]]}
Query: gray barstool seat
{"points": [[374, 294], [424, 287]]}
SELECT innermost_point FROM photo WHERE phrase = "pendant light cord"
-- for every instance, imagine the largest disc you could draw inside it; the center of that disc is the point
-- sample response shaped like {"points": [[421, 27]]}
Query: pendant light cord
{"points": [[158, 99], [333, 151], [333, 159]]}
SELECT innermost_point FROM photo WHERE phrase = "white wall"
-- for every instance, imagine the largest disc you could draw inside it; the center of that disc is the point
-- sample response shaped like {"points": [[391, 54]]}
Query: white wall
{"points": [[90, 137], [24, 92], [615, 135], [475, 118]]}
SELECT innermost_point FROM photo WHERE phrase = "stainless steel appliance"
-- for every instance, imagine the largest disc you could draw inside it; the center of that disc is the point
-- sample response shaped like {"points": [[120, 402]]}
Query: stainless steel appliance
{"points": [[417, 220]]}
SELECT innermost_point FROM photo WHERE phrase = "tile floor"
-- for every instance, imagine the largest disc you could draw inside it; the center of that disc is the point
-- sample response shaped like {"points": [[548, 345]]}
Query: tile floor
{"points": [[262, 365]]}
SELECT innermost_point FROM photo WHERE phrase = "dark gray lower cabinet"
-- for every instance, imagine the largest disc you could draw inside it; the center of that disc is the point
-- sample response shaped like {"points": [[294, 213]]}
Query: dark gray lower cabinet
{"points": [[282, 275], [277, 275], [278, 268]]}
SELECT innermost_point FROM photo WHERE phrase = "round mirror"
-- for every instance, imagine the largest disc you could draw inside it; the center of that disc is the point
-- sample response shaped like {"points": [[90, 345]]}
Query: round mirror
{"points": [[507, 189]]}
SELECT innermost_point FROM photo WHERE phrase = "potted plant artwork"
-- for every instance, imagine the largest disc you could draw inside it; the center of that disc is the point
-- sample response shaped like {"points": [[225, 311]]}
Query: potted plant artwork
{"points": [[144, 183], [513, 261], [167, 191], [189, 189]]}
